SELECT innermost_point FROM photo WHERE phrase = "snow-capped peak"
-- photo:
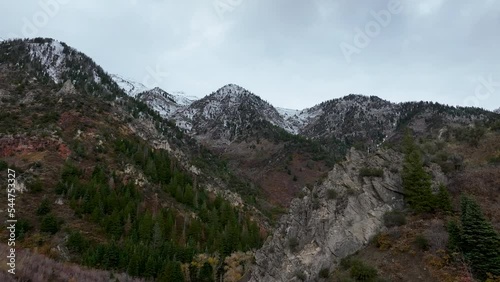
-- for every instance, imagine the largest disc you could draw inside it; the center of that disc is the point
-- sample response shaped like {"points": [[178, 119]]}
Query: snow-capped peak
{"points": [[231, 90], [130, 87]]}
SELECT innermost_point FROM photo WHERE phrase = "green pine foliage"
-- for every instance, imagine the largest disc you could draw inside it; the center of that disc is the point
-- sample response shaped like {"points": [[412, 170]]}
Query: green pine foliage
{"points": [[443, 200], [143, 240], [479, 241], [416, 181], [476, 238], [50, 224]]}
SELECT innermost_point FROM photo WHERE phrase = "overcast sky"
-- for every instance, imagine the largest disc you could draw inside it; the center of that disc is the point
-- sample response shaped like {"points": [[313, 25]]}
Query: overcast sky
{"points": [[292, 53]]}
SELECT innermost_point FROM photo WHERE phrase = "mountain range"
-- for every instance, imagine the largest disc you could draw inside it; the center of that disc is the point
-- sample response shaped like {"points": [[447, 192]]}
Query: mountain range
{"points": [[143, 183]]}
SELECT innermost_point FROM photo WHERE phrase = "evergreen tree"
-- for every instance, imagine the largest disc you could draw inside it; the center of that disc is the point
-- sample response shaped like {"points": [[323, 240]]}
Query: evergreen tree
{"points": [[416, 181], [150, 267], [133, 265], [480, 243], [443, 199], [455, 236], [49, 224], [172, 272]]}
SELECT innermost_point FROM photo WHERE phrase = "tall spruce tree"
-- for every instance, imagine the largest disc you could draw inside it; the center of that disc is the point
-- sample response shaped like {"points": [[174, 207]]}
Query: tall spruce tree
{"points": [[443, 200], [416, 181], [479, 241]]}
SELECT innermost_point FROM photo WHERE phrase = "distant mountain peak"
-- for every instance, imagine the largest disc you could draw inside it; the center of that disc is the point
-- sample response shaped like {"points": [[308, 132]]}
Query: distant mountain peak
{"points": [[232, 90]]}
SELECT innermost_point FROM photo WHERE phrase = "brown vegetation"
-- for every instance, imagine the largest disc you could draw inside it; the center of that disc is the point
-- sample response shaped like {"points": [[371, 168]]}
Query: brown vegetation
{"points": [[39, 268]]}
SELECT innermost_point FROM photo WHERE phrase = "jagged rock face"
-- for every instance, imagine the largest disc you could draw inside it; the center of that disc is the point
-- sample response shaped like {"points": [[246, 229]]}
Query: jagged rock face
{"points": [[352, 117], [327, 227], [160, 101], [227, 114], [67, 89], [333, 220]]}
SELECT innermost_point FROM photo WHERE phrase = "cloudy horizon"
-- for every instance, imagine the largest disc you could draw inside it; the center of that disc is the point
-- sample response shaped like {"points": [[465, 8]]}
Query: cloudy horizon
{"points": [[292, 53]]}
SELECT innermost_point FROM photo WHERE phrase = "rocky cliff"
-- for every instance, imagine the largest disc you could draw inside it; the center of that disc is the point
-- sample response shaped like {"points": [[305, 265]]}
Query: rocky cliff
{"points": [[333, 219]]}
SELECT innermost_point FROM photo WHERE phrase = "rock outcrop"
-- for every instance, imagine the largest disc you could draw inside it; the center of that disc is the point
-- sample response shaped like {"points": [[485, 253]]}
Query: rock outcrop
{"points": [[333, 219]]}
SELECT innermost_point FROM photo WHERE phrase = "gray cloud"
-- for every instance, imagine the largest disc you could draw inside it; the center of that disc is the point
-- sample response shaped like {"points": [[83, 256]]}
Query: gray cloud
{"points": [[286, 51]]}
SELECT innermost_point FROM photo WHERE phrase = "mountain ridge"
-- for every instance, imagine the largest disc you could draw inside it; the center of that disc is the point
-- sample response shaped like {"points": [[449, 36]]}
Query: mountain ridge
{"points": [[120, 168]]}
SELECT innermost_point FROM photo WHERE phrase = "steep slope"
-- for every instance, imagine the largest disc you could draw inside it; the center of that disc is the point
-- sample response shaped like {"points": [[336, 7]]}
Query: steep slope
{"points": [[162, 102], [249, 133], [368, 121], [95, 167], [333, 219], [353, 118]]}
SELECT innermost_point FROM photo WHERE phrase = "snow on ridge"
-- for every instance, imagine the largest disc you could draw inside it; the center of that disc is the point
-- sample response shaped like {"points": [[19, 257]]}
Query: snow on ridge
{"points": [[130, 87], [182, 99], [51, 56], [286, 113], [231, 90]]}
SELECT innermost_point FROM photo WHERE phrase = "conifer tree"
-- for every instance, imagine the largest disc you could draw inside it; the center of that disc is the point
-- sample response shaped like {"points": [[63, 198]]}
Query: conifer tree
{"points": [[480, 243], [416, 181], [443, 199]]}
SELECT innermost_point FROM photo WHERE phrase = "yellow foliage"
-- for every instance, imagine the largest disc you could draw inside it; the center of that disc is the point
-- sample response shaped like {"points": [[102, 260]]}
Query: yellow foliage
{"points": [[383, 241], [435, 261], [236, 265], [492, 278]]}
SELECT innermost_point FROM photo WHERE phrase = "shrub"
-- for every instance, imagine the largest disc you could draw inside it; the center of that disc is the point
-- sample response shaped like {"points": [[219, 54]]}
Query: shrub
{"points": [[331, 194], [35, 186], [44, 207], [394, 218], [346, 262], [61, 188], [49, 224], [494, 160], [293, 244], [22, 227], [3, 165], [422, 242], [315, 204], [471, 135], [383, 241], [300, 275], [371, 172], [363, 272], [324, 273], [76, 242]]}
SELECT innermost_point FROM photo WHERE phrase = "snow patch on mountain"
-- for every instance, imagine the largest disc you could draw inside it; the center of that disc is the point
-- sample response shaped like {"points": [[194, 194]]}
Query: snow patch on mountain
{"points": [[51, 56], [130, 87], [182, 99], [228, 113], [296, 120]]}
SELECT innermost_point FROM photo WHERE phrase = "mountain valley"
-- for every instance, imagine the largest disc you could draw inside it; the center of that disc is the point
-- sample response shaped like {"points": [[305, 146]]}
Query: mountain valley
{"points": [[119, 182]]}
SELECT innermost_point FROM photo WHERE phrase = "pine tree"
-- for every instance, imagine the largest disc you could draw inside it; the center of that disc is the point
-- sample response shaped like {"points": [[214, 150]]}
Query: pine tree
{"points": [[455, 236], [480, 243], [443, 199], [150, 267], [172, 272], [416, 181], [133, 265]]}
